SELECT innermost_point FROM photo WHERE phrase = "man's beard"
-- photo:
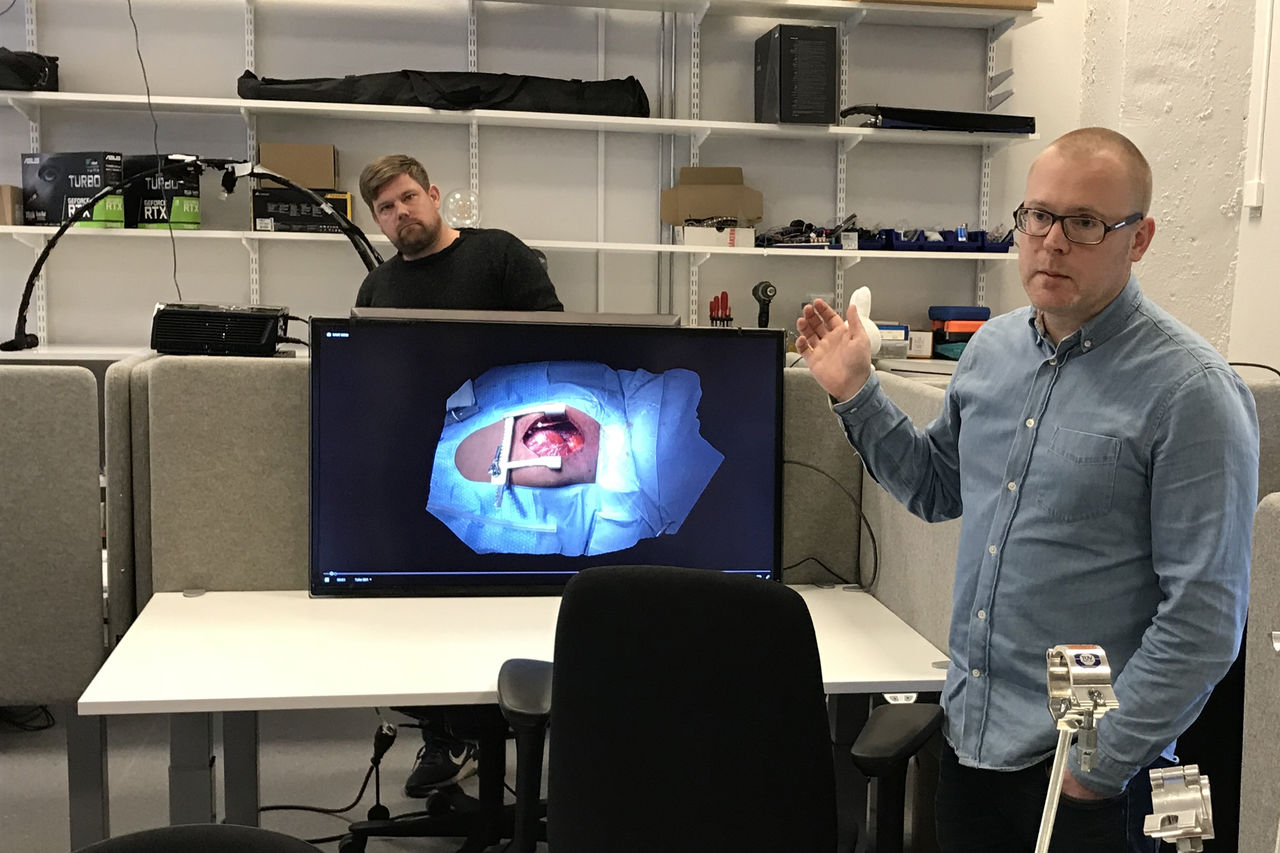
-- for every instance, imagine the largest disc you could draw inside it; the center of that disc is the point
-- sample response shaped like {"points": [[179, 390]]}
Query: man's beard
{"points": [[415, 237]]}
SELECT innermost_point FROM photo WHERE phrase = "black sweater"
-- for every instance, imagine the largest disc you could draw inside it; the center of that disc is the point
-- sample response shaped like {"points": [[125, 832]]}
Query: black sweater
{"points": [[484, 269]]}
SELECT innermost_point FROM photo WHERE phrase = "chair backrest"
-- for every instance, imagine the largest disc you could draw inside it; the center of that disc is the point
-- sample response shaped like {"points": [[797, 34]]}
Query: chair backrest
{"points": [[50, 534], [687, 715], [202, 838]]}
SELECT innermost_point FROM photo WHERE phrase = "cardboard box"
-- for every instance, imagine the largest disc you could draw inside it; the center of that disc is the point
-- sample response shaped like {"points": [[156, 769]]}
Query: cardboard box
{"points": [[796, 75], [55, 186], [920, 344], [161, 201], [312, 166], [1021, 5], [691, 235], [10, 205], [284, 209], [712, 192]]}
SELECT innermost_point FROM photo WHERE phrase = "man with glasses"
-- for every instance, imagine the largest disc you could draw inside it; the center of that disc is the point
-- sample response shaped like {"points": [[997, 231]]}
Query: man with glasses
{"points": [[1105, 458]]}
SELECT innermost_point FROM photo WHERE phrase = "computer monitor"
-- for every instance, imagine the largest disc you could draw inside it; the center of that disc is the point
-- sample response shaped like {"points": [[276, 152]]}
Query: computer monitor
{"points": [[585, 318], [499, 456]]}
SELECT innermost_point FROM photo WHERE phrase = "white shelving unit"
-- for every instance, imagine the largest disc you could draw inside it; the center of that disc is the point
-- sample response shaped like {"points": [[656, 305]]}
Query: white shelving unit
{"points": [[840, 140], [28, 103]]}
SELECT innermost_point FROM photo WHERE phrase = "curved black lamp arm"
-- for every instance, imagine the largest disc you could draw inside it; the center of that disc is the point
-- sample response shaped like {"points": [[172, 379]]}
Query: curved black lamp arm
{"points": [[232, 170]]}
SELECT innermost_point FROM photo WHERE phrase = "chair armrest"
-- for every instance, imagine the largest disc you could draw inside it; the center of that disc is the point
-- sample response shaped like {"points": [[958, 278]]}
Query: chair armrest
{"points": [[524, 692], [892, 735]]}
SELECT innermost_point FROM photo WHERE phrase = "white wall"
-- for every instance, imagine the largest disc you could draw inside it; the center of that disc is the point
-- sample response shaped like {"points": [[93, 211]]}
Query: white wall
{"points": [[1173, 75], [1257, 303]]}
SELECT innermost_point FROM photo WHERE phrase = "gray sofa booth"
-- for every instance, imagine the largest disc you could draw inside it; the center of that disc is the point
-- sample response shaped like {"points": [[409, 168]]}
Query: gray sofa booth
{"points": [[207, 488]]}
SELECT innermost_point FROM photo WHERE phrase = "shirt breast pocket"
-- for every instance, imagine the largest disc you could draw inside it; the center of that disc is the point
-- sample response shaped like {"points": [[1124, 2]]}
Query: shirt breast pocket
{"points": [[1078, 475]]}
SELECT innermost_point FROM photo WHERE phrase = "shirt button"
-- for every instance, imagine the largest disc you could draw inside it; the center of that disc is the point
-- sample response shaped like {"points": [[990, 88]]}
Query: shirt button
{"points": [[977, 673], [1088, 344], [991, 549], [1053, 361], [1013, 487], [1031, 422], [982, 614]]}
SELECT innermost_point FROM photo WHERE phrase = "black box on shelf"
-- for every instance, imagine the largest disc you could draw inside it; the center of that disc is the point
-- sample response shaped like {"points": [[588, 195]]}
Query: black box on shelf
{"points": [[55, 186], [159, 201], [796, 70], [285, 209]]}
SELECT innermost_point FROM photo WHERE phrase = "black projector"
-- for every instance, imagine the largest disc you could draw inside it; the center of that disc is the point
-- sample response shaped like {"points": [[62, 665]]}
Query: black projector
{"points": [[189, 328]]}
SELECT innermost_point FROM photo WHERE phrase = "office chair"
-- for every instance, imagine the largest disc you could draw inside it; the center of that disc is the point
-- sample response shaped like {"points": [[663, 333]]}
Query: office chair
{"points": [[689, 716], [449, 812], [202, 838], [882, 751]]}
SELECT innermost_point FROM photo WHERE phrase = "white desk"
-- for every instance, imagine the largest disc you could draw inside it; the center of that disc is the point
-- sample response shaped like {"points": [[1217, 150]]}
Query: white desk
{"points": [[231, 652]]}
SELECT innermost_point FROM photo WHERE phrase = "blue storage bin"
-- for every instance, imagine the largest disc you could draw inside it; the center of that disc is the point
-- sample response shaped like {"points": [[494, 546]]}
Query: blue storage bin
{"points": [[999, 246], [899, 243], [873, 243]]}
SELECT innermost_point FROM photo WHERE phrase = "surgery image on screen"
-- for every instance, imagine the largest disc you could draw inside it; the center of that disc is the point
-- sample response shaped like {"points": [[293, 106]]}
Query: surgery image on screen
{"points": [[569, 457], [454, 456]]}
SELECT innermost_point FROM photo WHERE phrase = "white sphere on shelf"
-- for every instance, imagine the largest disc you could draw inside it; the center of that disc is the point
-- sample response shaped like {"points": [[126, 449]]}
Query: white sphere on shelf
{"points": [[461, 209]]}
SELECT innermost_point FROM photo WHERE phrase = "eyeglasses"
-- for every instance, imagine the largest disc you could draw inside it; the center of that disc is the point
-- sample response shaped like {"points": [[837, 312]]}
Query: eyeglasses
{"points": [[1085, 230]]}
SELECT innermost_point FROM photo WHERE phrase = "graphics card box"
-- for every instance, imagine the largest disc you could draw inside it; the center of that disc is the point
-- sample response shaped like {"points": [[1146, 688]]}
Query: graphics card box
{"points": [[284, 209], [159, 201], [796, 75], [55, 186]]}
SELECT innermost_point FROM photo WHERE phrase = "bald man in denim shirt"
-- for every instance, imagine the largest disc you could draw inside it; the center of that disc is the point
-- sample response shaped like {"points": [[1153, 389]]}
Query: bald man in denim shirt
{"points": [[1105, 459]]}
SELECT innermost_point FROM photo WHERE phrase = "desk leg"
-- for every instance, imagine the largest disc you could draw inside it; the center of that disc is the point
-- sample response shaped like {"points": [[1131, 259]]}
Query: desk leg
{"points": [[191, 771], [847, 714], [240, 755], [87, 777]]}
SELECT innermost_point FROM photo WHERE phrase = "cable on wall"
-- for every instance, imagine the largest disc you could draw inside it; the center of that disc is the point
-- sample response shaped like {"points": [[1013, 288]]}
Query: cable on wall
{"points": [[155, 144]]}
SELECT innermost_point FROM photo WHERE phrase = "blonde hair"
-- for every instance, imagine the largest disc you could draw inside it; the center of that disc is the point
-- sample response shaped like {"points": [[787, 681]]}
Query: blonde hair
{"points": [[1091, 141], [382, 171]]}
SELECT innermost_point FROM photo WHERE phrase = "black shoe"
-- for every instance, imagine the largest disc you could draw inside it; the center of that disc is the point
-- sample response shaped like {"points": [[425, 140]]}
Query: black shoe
{"points": [[441, 761]]}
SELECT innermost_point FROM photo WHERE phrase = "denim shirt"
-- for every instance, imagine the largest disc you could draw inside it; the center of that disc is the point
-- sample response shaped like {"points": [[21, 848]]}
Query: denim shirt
{"points": [[1107, 487]]}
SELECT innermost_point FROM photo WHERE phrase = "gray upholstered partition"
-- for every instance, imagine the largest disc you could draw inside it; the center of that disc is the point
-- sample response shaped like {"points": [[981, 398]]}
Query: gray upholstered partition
{"points": [[1266, 394], [819, 519], [1259, 803], [118, 464], [227, 477], [917, 559], [50, 535], [51, 607]]}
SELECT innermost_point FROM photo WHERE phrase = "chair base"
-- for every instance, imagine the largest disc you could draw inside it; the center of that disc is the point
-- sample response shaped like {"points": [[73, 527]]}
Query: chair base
{"points": [[450, 813]]}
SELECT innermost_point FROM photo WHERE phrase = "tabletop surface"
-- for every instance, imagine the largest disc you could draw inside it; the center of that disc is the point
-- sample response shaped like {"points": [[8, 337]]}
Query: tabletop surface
{"points": [[258, 651]]}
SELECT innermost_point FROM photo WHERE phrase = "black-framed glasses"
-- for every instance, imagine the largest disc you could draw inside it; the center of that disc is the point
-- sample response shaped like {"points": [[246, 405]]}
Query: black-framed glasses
{"points": [[1078, 228]]}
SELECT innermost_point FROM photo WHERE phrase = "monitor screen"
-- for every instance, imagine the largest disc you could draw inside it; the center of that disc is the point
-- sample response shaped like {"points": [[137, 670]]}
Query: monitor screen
{"points": [[500, 456]]}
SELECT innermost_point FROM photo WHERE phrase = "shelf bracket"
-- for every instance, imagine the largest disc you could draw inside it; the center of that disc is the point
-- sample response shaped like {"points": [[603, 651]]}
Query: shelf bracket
{"points": [[998, 98], [1001, 28], [247, 116], [848, 143], [700, 12], [855, 18], [846, 263], [699, 258], [255, 282], [994, 81], [28, 111], [35, 242], [698, 137]]}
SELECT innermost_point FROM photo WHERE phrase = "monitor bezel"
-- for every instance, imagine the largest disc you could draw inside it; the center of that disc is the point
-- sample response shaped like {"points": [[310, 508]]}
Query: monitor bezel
{"points": [[318, 325]]}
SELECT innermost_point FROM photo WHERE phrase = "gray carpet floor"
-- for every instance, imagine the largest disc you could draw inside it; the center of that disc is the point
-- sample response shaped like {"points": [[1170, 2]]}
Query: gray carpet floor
{"points": [[315, 758]]}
